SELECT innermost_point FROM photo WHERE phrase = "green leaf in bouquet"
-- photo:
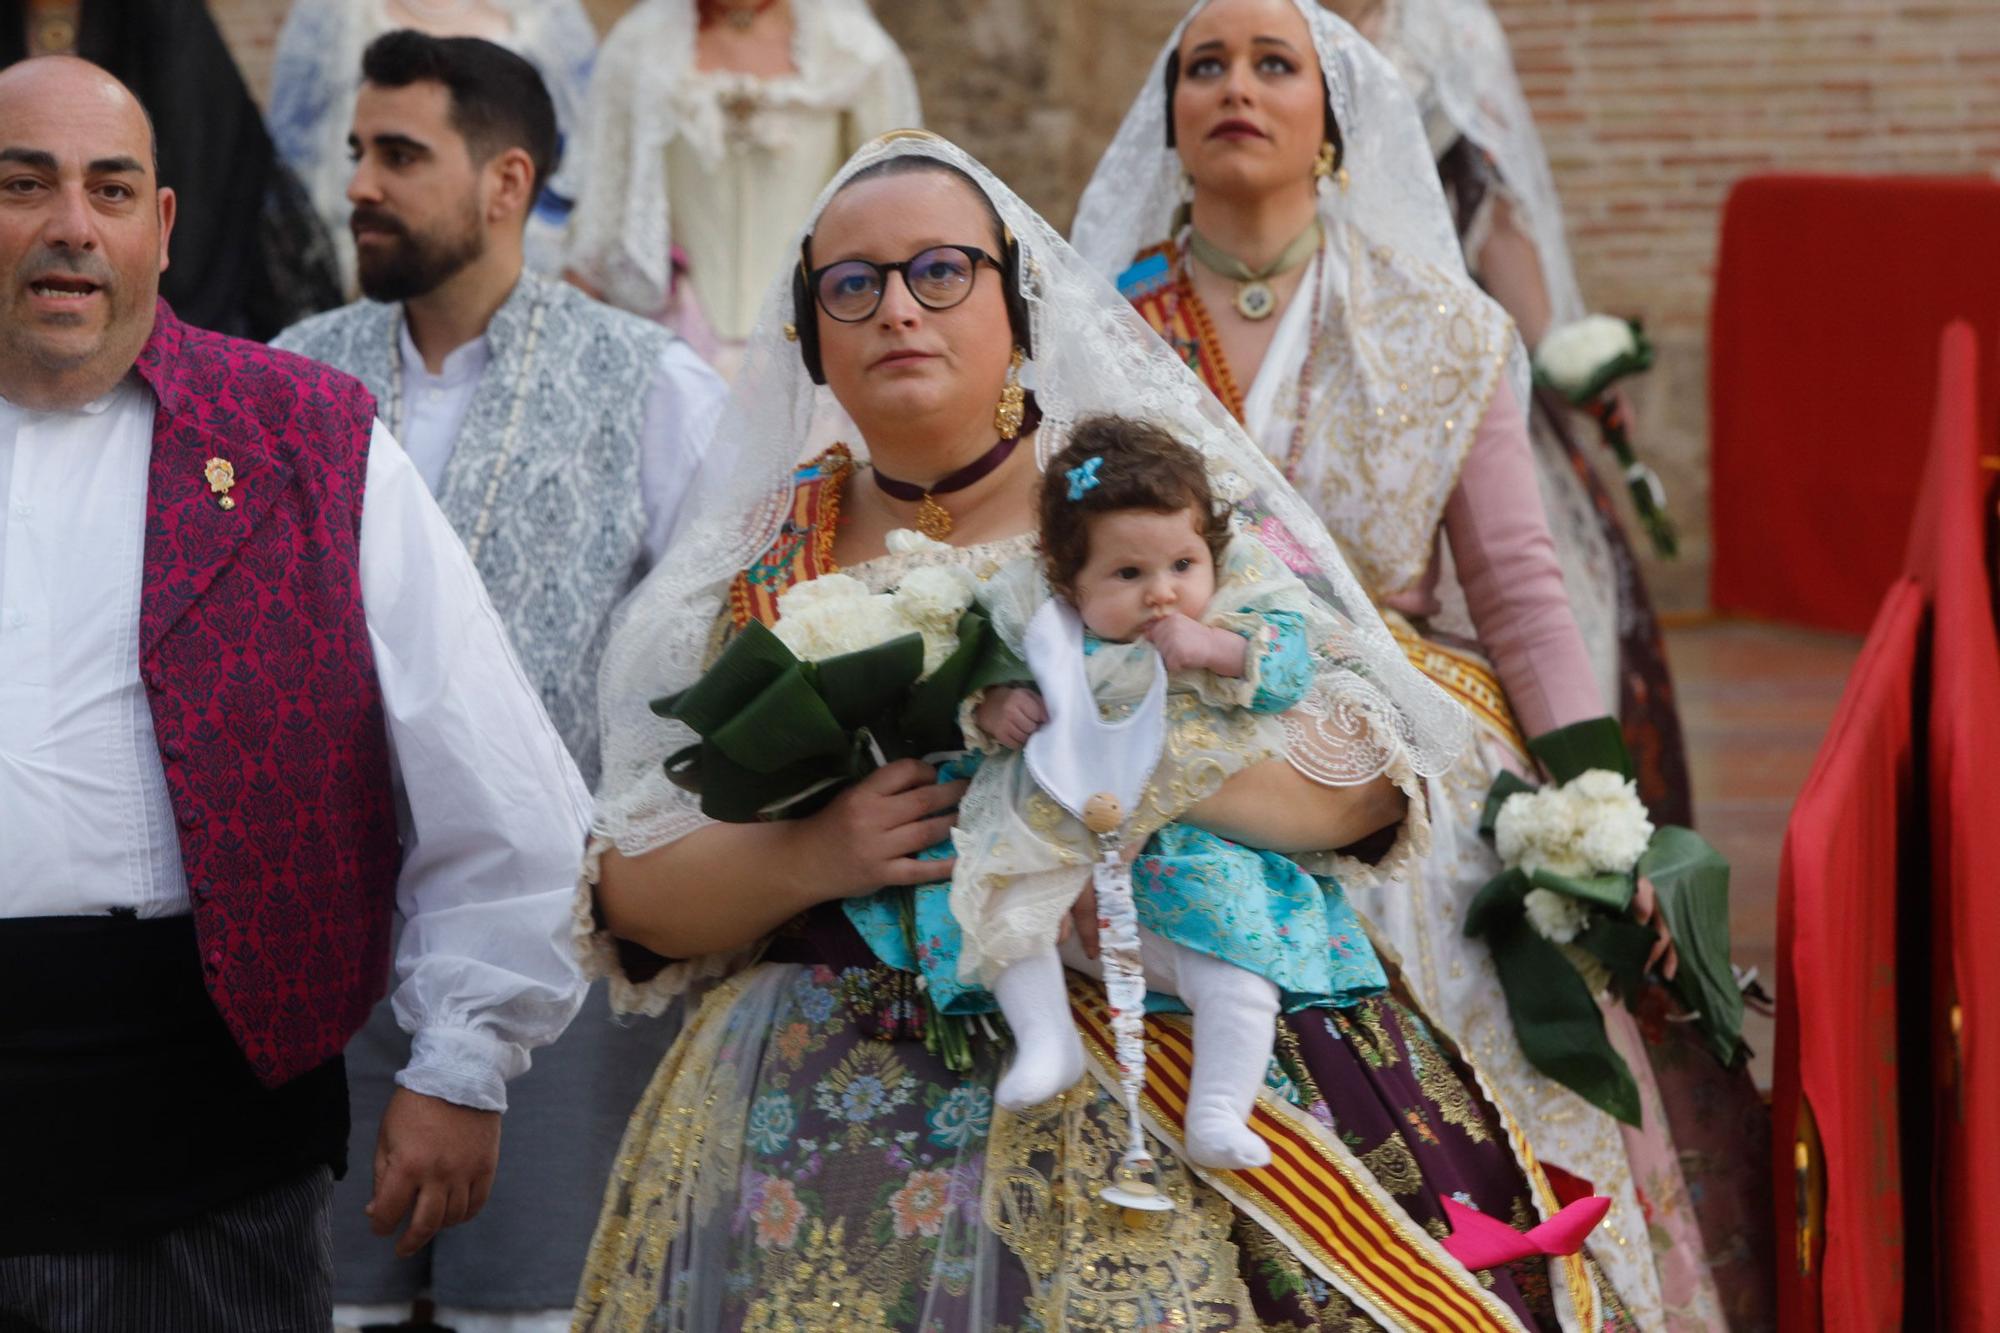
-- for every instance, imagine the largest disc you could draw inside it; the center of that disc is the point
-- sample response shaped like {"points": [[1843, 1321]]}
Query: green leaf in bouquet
{"points": [[860, 687], [997, 664], [1570, 751], [1612, 891], [1497, 903], [736, 794], [1506, 783], [981, 659], [1692, 881], [1557, 1021], [753, 659], [1621, 944], [786, 723]]}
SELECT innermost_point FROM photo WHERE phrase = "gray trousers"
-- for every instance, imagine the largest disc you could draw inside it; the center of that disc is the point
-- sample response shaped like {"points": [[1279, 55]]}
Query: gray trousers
{"points": [[263, 1264]]}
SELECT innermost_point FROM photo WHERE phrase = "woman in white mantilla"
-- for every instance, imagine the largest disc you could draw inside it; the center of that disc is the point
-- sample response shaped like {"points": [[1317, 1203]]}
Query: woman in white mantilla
{"points": [[788, 1168], [713, 125], [1453, 57], [1270, 207]]}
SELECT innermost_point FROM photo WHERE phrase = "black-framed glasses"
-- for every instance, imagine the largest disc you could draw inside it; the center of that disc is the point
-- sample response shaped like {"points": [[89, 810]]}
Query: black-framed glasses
{"points": [[939, 278]]}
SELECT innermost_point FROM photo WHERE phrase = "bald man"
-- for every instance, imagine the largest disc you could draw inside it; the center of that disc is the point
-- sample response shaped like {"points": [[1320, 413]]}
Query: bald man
{"points": [[253, 700]]}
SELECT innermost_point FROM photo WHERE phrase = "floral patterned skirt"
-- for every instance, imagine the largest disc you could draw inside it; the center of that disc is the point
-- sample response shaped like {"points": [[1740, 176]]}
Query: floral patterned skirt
{"points": [[788, 1170]]}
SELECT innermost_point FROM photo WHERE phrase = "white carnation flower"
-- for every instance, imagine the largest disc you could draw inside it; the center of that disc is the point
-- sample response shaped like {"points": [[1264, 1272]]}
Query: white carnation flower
{"points": [[933, 598], [801, 598], [1538, 831], [1599, 784], [908, 541], [1571, 356], [938, 645], [1556, 916], [1613, 829], [832, 626]]}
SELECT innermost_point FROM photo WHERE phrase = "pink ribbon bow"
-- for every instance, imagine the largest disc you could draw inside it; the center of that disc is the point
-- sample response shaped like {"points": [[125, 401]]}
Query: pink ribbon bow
{"points": [[1479, 1241]]}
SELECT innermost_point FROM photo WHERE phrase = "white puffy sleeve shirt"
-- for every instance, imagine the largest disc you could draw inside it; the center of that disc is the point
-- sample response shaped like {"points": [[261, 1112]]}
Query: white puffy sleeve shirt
{"points": [[492, 811]]}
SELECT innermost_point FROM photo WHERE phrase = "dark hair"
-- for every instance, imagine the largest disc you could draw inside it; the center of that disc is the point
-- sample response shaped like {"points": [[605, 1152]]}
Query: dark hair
{"points": [[498, 101], [1141, 467], [1330, 129], [805, 311]]}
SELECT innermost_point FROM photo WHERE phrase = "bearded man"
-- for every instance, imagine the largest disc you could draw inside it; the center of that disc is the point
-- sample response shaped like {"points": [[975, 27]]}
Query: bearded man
{"points": [[253, 700], [560, 436]]}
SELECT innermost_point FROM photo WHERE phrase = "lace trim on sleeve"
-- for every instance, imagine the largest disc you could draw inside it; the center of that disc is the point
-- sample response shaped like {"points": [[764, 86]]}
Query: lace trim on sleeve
{"points": [[1247, 690], [1413, 836]]}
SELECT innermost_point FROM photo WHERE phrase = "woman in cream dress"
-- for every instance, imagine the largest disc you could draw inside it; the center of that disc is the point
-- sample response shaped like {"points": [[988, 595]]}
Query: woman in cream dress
{"points": [[713, 125]]}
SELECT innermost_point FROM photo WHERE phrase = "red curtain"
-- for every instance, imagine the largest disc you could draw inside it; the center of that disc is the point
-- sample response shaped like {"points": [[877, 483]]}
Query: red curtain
{"points": [[1835, 1076], [1830, 293], [1887, 1094], [1964, 767]]}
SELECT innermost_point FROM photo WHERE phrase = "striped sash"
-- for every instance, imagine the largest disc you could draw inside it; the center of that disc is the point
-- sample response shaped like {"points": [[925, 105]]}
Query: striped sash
{"points": [[1466, 677], [1315, 1197]]}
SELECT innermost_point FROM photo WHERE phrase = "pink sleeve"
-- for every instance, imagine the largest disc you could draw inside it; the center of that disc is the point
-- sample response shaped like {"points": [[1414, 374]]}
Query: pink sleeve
{"points": [[1506, 562]]}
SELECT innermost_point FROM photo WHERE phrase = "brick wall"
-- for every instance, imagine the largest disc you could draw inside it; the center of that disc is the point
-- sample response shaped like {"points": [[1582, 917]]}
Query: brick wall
{"points": [[1650, 109]]}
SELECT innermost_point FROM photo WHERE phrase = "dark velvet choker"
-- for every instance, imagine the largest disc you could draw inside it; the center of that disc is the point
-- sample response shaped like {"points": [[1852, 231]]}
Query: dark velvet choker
{"points": [[933, 519]]}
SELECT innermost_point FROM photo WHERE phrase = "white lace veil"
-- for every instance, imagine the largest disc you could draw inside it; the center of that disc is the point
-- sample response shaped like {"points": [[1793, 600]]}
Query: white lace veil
{"points": [[1092, 353], [621, 235], [1391, 196], [1454, 57]]}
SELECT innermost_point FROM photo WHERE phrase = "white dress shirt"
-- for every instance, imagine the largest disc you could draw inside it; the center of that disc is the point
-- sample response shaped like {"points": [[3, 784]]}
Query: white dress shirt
{"points": [[682, 403], [492, 812]]}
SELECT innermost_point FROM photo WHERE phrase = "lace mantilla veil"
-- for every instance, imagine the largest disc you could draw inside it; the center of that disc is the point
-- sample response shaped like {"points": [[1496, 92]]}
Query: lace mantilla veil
{"points": [[1391, 198], [1453, 56], [1093, 353]]}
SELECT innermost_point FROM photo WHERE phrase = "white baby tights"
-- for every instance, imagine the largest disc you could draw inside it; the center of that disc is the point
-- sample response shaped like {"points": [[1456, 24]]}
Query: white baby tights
{"points": [[1235, 1024]]}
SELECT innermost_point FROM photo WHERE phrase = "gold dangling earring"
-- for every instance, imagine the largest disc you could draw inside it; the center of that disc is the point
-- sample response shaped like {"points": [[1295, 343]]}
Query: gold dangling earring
{"points": [[1184, 210], [1012, 407], [1323, 167]]}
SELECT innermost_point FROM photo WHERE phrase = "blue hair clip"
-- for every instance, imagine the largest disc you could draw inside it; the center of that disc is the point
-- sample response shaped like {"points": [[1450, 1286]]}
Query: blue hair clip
{"points": [[1083, 477]]}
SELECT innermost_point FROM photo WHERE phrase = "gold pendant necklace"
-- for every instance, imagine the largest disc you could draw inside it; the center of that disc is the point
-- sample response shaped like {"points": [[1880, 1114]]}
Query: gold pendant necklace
{"points": [[1255, 298], [933, 519]]}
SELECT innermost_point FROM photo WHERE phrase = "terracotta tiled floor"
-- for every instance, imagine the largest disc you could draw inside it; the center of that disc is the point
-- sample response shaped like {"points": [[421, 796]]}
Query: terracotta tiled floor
{"points": [[1755, 701]]}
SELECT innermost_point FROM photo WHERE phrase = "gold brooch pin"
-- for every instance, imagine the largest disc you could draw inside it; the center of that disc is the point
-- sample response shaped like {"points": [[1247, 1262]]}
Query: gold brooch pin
{"points": [[221, 475]]}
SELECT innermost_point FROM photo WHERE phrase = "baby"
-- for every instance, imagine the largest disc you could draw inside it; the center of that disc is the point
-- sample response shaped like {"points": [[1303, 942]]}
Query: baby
{"points": [[1133, 539]]}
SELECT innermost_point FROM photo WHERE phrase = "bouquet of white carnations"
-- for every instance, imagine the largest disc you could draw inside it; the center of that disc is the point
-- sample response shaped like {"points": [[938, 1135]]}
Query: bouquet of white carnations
{"points": [[1557, 918], [1581, 361], [847, 681]]}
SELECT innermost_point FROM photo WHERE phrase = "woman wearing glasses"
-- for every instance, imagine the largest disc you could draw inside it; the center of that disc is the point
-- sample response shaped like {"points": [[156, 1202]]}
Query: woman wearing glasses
{"points": [[1271, 207], [803, 1159]]}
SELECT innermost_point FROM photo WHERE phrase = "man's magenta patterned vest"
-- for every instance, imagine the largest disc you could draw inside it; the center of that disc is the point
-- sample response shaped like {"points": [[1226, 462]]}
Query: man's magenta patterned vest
{"points": [[255, 656]]}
